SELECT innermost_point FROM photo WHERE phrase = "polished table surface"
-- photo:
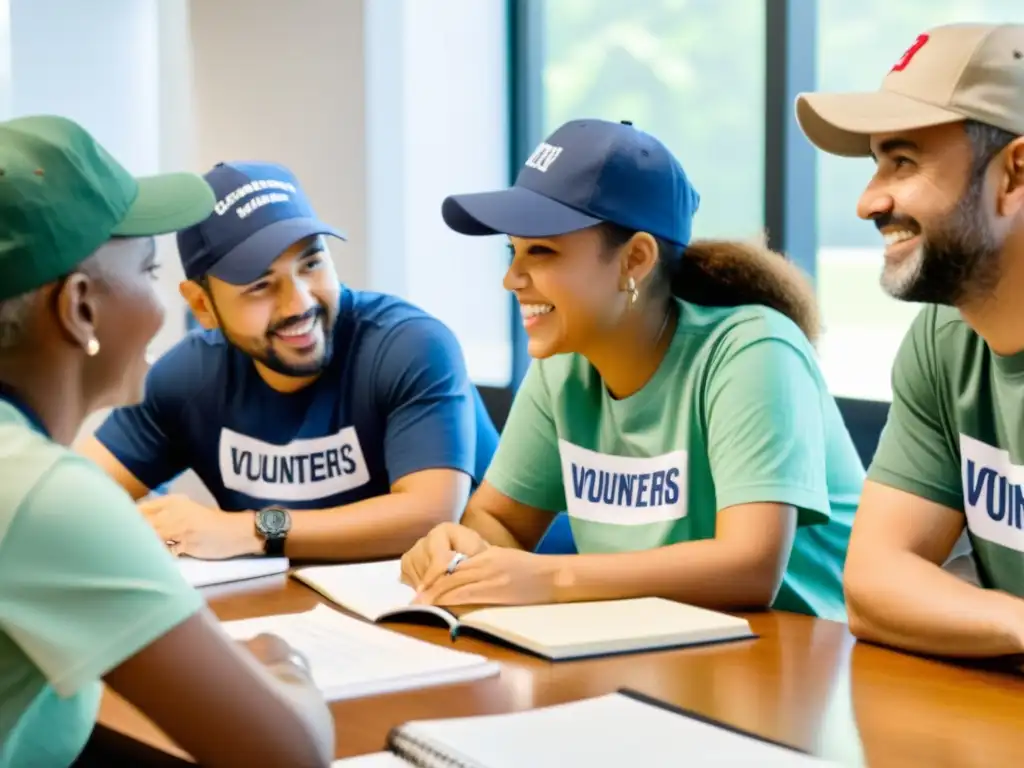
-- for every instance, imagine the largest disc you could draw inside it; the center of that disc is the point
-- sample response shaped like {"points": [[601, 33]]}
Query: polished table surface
{"points": [[804, 682]]}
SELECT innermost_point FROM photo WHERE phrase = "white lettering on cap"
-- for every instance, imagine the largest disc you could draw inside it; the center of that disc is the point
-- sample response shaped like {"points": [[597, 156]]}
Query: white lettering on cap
{"points": [[257, 185], [259, 201], [543, 156]]}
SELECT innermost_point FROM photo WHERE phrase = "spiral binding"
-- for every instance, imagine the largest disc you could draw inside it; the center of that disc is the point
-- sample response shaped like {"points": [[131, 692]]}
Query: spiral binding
{"points": [[419, 754]]}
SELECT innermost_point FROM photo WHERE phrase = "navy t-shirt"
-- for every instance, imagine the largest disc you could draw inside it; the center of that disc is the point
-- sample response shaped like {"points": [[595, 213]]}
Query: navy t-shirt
{"points": [[395, 399]]}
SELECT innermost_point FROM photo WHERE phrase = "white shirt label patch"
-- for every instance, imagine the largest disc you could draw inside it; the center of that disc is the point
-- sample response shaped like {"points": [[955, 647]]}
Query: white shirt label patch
{"points": [[302, 470], [993, 493], [623, 490]]}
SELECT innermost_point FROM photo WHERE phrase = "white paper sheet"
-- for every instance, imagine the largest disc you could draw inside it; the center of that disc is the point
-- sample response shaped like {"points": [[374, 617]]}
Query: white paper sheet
{"points": [[368, 589], [351, 658], [203, 573], [375, 760], [603, 732]]}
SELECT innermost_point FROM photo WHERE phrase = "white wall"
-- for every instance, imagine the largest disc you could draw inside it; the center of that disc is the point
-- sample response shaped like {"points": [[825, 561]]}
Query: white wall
{"points": [[5, 59], [381, 107], [105, 64], [437, 116], [283, 82]]}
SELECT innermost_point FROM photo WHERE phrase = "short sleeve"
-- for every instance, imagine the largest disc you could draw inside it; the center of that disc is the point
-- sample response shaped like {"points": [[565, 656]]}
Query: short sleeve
{"points": [[765, 428], [143, 437], [526, 467], [914, 454], [426, 395], [85, 582]]}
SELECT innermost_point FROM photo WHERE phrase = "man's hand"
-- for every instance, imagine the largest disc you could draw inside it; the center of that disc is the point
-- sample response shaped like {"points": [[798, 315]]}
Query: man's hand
{"points": [[496, 576], [429, 557], [191, 529]]}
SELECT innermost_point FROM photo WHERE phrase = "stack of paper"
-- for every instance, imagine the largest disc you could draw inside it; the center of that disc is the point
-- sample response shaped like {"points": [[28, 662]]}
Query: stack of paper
{"points": [[350, 658]]}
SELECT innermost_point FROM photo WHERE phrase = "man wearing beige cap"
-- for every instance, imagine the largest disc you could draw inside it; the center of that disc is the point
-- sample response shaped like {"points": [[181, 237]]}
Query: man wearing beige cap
{"points": [[945, 131]]}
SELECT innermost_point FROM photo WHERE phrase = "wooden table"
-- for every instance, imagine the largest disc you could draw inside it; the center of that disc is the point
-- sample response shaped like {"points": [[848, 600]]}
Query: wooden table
{"points": [[804, 682]]}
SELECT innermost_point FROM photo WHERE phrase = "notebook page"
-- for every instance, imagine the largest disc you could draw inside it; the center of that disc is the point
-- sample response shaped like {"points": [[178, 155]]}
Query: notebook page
{"points": [[350, 658], [203, 573], [603, 732], [369, 589], [375, 760]]}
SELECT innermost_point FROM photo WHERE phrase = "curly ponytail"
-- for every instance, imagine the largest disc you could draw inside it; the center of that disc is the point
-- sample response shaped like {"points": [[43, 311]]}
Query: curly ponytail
{"points": [[729, 273]]}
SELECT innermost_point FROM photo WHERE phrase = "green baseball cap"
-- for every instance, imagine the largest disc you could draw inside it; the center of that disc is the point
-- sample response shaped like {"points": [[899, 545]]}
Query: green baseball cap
{"points": [[62, 196]]}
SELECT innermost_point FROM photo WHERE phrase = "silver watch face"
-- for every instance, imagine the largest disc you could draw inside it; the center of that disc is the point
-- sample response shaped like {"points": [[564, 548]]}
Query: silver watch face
{"points": [[273, 522]]}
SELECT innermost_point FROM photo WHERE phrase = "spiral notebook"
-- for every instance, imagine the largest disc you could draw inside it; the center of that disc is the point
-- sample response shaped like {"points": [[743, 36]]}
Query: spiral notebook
{"points": [[555, 632], [349, 658], [619, 729]]}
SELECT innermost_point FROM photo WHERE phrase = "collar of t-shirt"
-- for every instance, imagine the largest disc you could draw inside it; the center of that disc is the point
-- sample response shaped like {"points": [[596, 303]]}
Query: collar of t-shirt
{"points": [[7, 395]]}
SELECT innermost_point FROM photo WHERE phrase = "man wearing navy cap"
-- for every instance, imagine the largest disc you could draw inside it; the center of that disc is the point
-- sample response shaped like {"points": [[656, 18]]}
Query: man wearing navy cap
{"points": [[342, 423]]}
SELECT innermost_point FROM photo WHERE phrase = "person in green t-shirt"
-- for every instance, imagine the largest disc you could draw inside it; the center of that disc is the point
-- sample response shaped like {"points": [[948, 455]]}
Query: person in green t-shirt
{"points": [[88, 593], [946, 131], [675, 409]]}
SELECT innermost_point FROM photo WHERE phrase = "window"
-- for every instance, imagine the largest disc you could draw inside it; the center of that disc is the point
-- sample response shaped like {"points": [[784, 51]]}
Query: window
{"points": [[5, 59], [457, 278], [690, 72], [437, 123], [857, 45]]}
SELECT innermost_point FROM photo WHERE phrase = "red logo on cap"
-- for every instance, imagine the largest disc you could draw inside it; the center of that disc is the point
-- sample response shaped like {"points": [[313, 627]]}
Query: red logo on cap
{"points": [[900, 65]]}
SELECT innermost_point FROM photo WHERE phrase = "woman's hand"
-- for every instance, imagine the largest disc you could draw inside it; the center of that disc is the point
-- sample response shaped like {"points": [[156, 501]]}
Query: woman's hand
{"points": [[428, 559], [496, 576]]}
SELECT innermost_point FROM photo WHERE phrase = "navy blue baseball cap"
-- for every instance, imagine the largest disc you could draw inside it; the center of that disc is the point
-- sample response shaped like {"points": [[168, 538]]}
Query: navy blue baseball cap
{"points": [[261, 211], [585, 173]]}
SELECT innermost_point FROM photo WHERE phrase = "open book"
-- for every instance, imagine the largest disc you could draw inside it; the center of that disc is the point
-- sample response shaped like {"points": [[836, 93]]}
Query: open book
{"points": [[615, 730], [349, 658], [565, 631], [203, 573]]}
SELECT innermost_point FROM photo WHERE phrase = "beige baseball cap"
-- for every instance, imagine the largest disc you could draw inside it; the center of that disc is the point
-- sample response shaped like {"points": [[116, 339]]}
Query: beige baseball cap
{"points": [[948, 74]]}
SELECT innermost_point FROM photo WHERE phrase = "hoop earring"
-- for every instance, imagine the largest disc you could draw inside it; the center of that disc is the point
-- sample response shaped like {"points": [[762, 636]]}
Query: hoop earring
{"points": [[634, 294], [92, 347]]}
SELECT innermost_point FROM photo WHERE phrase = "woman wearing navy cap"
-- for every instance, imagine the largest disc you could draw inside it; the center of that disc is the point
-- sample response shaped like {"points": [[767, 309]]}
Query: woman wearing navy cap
{"points": [[675, 409]]}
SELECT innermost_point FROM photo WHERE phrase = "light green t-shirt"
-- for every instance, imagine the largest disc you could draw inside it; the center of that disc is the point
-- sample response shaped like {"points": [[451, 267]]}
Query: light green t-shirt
{"points": [[737, 413], [85, 583], [955, 436]]}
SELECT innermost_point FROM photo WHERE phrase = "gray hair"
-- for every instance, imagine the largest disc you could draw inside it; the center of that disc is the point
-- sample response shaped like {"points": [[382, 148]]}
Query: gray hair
{"points": [[14, 320], [987, 141], [16, 312]]}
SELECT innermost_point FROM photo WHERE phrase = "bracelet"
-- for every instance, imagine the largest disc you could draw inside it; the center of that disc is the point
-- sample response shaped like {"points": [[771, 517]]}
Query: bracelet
{"points": [[292, 664], [297, 659]]}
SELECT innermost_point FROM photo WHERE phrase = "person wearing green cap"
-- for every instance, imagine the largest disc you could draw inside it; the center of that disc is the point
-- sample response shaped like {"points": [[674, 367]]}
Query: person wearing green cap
{"points": [[87, 592]]}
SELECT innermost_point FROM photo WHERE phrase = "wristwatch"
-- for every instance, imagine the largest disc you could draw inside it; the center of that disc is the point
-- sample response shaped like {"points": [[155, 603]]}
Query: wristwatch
{"points": [[273, 524]]}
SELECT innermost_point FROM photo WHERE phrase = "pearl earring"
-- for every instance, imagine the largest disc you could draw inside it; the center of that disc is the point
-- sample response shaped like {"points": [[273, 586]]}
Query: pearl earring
{"points": [[92, 347], [634, 294]]}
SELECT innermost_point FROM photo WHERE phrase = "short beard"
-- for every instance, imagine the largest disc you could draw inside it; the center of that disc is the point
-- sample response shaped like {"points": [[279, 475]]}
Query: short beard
{"points": [[270, 359], [959, 262], [265, 354]]}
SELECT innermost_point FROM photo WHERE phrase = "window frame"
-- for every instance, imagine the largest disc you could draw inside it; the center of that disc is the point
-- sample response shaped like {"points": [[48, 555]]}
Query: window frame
{"points": [[790, 172]]}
